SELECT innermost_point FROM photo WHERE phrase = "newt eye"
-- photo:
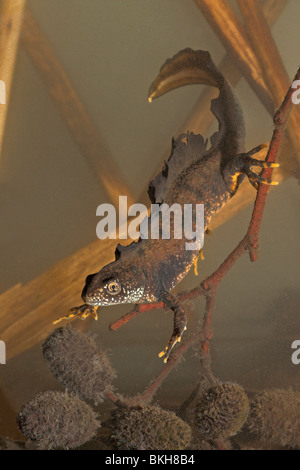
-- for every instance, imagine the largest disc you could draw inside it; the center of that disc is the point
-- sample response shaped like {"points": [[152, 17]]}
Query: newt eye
{"points": [[114, 287]]}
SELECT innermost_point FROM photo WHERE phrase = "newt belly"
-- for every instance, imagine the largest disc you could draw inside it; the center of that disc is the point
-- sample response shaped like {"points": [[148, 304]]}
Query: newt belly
{"points": [[147, 270]]}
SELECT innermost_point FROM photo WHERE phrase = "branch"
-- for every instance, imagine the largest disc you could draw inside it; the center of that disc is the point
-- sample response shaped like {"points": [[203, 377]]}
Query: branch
{"points": [[200, 120], [208, 287], [150, 391], [26, 318]]}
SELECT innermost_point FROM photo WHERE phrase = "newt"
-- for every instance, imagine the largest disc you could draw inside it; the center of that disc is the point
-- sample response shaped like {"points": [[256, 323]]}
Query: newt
{"points": [[147, 270]]}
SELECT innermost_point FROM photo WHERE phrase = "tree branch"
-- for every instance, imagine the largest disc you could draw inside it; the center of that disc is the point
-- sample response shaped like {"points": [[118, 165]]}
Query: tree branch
{"points": [[208, 287]]}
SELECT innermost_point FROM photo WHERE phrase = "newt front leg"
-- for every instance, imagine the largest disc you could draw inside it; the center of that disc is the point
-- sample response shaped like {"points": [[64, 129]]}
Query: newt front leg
{"points": [[82, 312], [180, 321]]}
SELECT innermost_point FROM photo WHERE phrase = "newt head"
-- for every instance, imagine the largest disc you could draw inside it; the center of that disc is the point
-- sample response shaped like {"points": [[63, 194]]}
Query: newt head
{"points": [[114, 284], [121, 282]]}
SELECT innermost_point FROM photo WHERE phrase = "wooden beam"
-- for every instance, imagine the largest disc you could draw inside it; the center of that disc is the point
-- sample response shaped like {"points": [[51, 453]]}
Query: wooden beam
{"points": [[233, 36], [11, 17], [271, 63], [200, 120], [230, 30], [72, 110], [27, 311]]}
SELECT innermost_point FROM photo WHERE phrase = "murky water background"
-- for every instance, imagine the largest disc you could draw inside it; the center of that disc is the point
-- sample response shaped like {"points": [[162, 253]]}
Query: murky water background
{"points": [[48, 196]]}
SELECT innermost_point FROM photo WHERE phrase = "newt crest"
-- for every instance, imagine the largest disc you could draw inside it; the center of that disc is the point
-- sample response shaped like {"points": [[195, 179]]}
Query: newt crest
{"points": [[147, 270]]}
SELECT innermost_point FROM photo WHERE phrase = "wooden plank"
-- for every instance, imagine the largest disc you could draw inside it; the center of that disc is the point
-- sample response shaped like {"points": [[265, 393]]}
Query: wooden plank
{"points": [[72, 110], [271, 63], [11, 17], [200, 118], [27, 311], [231, 32], [249, 60]]}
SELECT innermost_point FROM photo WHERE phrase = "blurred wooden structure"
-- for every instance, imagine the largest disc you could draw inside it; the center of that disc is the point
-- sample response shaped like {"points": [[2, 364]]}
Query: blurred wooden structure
{"points": [[27, 311], [11, 18], [72, 110]]}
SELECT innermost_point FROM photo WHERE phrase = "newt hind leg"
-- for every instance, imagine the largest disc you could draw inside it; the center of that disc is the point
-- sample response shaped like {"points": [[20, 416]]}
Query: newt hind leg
{"points": [[180, 322], [243, 164]]}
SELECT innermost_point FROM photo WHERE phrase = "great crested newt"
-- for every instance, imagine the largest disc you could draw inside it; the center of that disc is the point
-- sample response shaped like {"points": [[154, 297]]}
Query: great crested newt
{"points": [[147, 270]]}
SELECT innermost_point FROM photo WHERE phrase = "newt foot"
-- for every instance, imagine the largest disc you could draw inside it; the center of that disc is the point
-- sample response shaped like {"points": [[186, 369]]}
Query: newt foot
{"points": [[175, 338], [253, 177], [247, 163], [82, 312], [200, 256], [243, 164]]}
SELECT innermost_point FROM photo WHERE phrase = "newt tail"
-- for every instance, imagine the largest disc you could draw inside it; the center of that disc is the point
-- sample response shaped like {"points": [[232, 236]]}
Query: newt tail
{"points": [[147, 270]]}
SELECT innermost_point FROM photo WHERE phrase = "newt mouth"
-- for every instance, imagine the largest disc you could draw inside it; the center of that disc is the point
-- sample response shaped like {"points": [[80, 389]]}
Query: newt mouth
{"points": [[92, 303]]}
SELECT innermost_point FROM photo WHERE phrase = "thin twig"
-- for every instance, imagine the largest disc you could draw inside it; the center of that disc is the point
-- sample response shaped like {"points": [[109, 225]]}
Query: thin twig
{"points": [[116, 400], [208, 287], [61, 284], [149, 392]]}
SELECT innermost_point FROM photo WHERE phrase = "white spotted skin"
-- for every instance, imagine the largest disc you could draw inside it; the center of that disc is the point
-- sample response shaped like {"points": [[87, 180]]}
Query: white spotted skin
{"points": [[131, 281]]}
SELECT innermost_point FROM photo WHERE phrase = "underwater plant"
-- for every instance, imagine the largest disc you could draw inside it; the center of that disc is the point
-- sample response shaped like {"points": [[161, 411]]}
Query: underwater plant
{"points": [[208, 419], [77, 363], [275, 417], [54, 420], [150, 428], [222, 410], [50, 419]]}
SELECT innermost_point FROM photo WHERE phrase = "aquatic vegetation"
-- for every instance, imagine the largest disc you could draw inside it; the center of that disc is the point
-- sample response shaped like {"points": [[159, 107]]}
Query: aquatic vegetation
{"points": [[275, 416], [150, 428], [62, 420], [222, 410], [54, 420], [217, 411], [76, 361]]}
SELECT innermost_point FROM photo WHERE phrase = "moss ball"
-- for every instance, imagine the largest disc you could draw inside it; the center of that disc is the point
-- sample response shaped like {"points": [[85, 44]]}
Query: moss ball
{"points": [[78, 364], [57, 420], [275, 416], [150, 428], [222, 410]]}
